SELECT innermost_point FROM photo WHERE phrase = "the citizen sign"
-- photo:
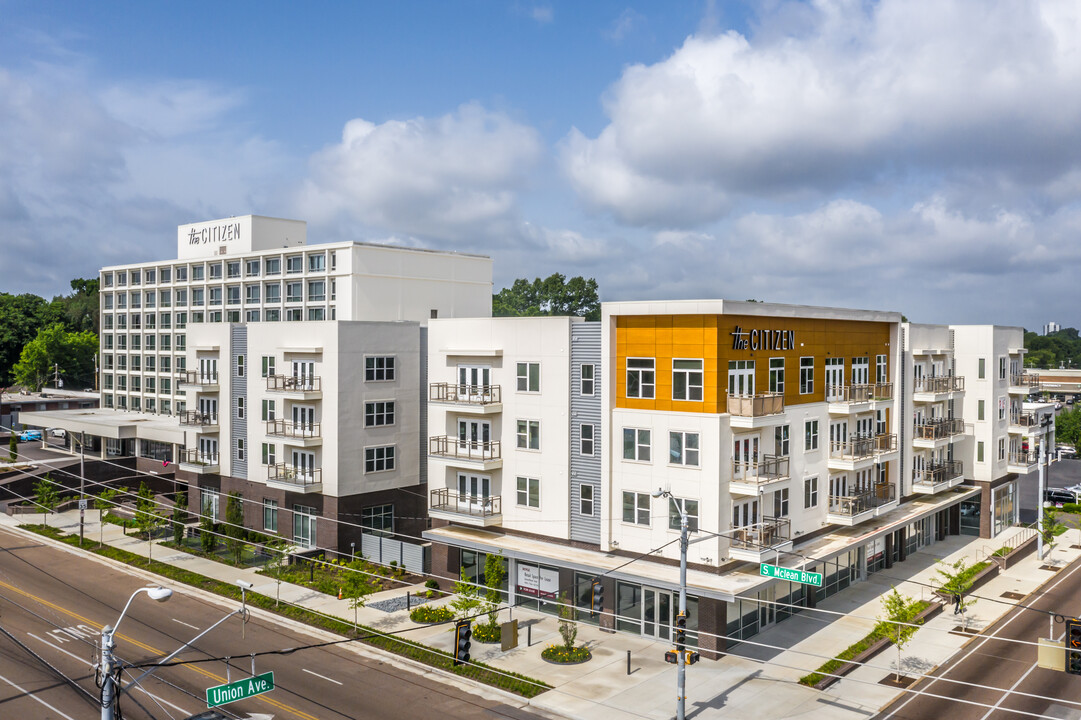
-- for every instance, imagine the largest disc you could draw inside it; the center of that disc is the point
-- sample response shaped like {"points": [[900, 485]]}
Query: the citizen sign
{"points": [[763, 339], [214, 234]]}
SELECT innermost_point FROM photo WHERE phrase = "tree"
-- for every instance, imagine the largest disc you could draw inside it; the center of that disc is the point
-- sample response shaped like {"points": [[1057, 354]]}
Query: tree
{"points": [[466, 598], [55, 348], [21, 316], [357, 587], [234, 527], [147, 519], [900, 612], [493, 579], [207, 535], [554, 295], [104, 503], [1068, 427], [276, 565], [1050, 528], [46, 496], [568, 627], [180, 514], [13, 446], [955, 583], [80, 308]]}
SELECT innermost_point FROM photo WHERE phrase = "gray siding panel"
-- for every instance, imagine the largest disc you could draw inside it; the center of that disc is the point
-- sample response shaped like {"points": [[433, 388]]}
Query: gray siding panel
{"points": [[423, 476], [238, 345], [585, 410]]}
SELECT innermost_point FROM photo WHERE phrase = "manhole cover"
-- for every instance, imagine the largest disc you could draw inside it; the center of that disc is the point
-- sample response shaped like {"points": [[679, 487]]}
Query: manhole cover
{"points": [[1013, 596], [1052, 568]]}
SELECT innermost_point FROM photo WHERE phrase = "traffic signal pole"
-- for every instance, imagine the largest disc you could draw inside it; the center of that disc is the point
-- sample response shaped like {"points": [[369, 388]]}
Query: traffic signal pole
{"points": [[681, 649]]}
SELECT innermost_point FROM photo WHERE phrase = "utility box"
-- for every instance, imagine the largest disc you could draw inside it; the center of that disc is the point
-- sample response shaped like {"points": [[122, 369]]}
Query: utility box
{"points": [[1052, 654], [508, 635]]}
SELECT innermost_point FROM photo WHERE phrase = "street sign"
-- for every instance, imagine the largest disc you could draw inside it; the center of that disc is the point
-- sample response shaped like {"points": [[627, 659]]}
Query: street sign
{"points": [[799, 576], [239, 690], [82, 503]]}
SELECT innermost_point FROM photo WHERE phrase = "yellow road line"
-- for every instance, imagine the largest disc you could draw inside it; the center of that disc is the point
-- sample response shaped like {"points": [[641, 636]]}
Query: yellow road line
{"points": [[195, 668]]}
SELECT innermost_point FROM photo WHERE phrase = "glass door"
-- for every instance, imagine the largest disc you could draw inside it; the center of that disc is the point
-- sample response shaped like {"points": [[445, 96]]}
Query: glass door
{"points": [[745, 456], [657, 613], [741, 377], [474, 381], [304, 526], [474, 436], [835, 378], [304, 419]]}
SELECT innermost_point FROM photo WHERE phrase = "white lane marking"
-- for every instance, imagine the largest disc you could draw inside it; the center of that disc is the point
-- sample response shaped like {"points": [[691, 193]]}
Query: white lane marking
{"points": [[1008, 693], [184, 623], [83, 660], [321, 676], [35, 697]]}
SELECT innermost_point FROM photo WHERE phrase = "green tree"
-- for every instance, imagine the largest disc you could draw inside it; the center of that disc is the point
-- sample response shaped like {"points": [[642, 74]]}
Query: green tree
{"points": [[80, 308], [46, 496], [900, 613], [207, 535], [955, 582], [147, 518], [466, 598], [554, 295], [1050, 528], [276, 565], [234, 527], [21, 316], [1068, 427], [54, 347], [568, 625], [357, 586], [104, 502], [180, 514], [13, 446], [493, 580]]}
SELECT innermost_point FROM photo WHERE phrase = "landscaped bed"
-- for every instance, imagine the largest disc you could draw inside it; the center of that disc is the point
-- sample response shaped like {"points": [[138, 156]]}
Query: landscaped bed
{"points": [[326, 576]]}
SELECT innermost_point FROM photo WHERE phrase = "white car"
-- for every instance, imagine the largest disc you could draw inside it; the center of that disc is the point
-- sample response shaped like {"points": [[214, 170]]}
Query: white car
{"points": [[58, 433]]}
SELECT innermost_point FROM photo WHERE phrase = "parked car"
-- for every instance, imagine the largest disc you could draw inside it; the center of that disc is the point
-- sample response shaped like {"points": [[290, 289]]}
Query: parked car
{"points": [[1059, 496], [1076, 489], [27, 435], [58, 432]]}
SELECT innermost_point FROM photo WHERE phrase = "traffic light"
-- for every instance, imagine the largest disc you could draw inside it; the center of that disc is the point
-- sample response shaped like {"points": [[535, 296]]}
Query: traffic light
{"points": [[681, 631], [463, 631], [596, 599], [1073, 646]]}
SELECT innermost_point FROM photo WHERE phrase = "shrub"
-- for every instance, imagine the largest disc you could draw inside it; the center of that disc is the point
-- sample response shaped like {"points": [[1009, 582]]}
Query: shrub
{"points": [[431, 584], [486, 633], [428, 614], [563, 654]]}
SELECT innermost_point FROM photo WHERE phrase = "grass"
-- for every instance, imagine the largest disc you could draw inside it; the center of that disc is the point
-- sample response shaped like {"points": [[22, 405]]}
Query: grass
{"points": [[830, 667], [248, 556], [1002, 551], [328, 575], [514, 682]]}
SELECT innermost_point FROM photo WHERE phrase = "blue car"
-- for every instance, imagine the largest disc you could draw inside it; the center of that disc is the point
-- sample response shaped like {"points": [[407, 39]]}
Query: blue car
{"points": [[29, 435]]}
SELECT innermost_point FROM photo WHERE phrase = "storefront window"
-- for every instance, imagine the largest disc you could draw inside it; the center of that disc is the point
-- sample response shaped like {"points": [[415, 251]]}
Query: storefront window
{"points": [[1005, 507], [970, 516], [537, 587], [628, 607]]}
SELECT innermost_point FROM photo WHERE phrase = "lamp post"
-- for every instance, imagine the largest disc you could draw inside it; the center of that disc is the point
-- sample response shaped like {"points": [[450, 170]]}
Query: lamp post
{"points": [[109, 690], [681, 666], [1046, 422]]}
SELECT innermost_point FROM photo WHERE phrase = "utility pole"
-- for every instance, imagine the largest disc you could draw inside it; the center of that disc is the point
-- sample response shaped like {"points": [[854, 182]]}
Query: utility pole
{"points": [[57, 383], [681, 664], [1045, 422], [82, 484]]}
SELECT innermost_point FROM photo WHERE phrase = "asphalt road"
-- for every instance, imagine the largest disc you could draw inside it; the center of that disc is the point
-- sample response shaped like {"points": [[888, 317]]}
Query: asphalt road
{"points": [[1022, 686], [55, 602]]}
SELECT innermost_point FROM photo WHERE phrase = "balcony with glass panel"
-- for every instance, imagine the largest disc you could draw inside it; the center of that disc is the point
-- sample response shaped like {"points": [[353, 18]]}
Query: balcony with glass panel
{"points": [[295, 478], [760, 541], [852, 399], [748, 412], [200, 462], [937, 389], [302, 434], [750, 477], [303, 387], [466, 509], [198, 380], [476, 454], [939, 476], [858, 507], [201, 422], [479, 399]]}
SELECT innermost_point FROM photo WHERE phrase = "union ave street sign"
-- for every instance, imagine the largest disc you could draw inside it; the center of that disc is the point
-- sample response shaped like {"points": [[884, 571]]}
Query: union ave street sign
{"points": [[240, 689], [800, 576]]}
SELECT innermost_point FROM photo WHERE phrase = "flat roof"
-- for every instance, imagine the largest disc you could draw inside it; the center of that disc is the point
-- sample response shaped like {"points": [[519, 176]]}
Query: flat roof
{"points": [[107, 423], [744, 307], [47, 394]]}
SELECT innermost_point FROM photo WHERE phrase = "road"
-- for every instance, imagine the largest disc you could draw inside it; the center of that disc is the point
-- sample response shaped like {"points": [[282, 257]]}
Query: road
{"points": [[1010, 666], [54, 603]]}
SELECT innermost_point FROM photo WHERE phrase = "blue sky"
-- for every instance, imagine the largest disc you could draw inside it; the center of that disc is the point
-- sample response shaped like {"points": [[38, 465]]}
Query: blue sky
{"points": [[912, 156]]}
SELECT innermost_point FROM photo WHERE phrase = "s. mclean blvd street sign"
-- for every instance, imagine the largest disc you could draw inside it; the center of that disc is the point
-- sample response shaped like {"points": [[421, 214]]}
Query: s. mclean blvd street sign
{"points": [[799, 576], [239, 690]]}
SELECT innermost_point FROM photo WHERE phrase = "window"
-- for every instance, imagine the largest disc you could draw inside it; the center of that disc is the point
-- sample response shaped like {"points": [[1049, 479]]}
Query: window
{"points": [[881, 374], [586, 443], [810, 435], [529, 434], [806, 375], [233, 269], [182, 298], [134, 277], [273, 266], [273, 292], [780, 439], [251, 316], [378, 369], [294, 264], [528, 377], [240, 408], [197, 295], [268, 410], [240, 448], [1001, 408], [636, 444], [215, 271], [690, 507], [378, 519], [252, 268], [683, 448], [121, 278], [983, 369], [979, 410], [378, 413], [687, 380], [317, 291], [586, 387], [181, 273], [316, 313], [151, 276], [317, 262], [979, 451], [585, 500], [636, 508], [1002, 448], [776, 375], [294, 292], [240, 366], [270, 515], [268, 365], [641, 378], [268, 453], [528, 492], [294, 315], [251, 293], [780, 503], [810, 492], [1002, 368], [273, 315], [378, 459]]}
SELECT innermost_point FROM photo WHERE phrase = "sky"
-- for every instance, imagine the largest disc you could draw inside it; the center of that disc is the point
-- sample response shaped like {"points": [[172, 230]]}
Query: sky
{"points": [[916, 156]]}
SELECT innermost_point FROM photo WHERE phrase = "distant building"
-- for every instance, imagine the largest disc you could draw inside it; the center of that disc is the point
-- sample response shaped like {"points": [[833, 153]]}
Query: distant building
{"points": [[1051, 327], [12, 402]]}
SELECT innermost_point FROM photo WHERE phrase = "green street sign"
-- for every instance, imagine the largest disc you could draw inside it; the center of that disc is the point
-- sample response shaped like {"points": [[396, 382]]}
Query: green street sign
{"points": [[239, 690], [800, 576]]}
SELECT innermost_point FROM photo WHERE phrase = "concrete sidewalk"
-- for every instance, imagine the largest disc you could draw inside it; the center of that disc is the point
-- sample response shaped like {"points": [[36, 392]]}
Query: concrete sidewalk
{"points": [[751, 681]]}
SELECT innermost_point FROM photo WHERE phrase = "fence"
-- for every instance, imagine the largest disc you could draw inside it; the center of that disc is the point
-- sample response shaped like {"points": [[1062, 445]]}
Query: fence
{"points": [[383, 550]]}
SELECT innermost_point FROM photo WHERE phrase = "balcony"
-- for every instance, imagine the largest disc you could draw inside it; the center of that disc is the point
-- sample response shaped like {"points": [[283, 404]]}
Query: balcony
{"points": [[935, 389], [201, 421], [858, 453], [304, 387], [1022, 461], [1022, 423], [937, 432], [466, 509], [302, 434], [1023, 383], [849, 510], [200, 381], [467, 453], [293, 478], [846, 399], [200, 462], [750, 477], [483, 399], [760, 541], [938, 477], [754, 411]]}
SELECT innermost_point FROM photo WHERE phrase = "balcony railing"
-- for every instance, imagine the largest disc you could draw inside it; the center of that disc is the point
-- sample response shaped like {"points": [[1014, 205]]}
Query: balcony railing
{"points": [[941, 384], [197, 377], [755, 405], [857, 447], [195, 456], [859, 393], [1024, 457], [1024, 419], [468, 394], [1025, 379], [450, 447], [938, 473], [198, 418], [290, 429], [849, 505], [294, 383], [295, 475], [770, 467], [939, 428], [760, 535], [473, 505]]}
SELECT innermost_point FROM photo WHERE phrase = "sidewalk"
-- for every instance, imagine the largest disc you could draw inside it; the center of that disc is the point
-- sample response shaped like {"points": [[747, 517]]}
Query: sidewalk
{"points": [[751, 681]]}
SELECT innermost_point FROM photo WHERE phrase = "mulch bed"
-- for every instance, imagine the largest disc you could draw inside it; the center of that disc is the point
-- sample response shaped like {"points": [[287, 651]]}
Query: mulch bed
{"points": [[892, 681]]}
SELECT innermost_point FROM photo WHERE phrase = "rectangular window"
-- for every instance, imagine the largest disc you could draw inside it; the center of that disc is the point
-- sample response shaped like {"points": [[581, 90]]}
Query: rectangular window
{"points": [[294, 264], [252, 268], [636, 444], [378, 520], [979, 451], [233, 269], [585, 500], [268, 365], [587, 379], [982, 373], [641, 378], [197, 297], [317, 291], [268, 410], [150, 276], [979, 410], [529, 434], [780, 503], [780, 440], [687, 380], [240, 366], [270, 515], [1002, 448], [690, 507], [240, 448], [1001, 408], [317, 262], [215, 271], [1002, 368], [806, 375], [810, 435], [810, 492], [182, 297], [378, 413], [251, 316], [586, 446], [528, 494], [683, 448], [273, 266], [636, 508], [378, 459], [268, 453], [528, 377], [294, 315], [378, 369], [316, 313], [240, 408], [294, 292], [881, 369], [273, 315], [251, 293], [181, 273], [776, 375], [273, 292]]}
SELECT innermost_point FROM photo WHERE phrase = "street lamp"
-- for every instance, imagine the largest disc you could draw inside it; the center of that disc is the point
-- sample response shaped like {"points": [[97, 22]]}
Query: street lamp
{"points": [[108, 691], [681, 666], [1046, 425]]}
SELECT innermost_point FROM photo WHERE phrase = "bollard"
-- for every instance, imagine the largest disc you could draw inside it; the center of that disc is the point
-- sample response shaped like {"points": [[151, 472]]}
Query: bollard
{"points": [[628, 662], [406, 599], [529, 636], [311, 571]]}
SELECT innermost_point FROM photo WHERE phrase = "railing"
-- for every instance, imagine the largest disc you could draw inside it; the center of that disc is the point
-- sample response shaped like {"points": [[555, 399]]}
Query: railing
{"points": [[195, 456], [857, 447], [760, 535], [197, 377], [1024, 419], [473, 505], [939, 428], [1024, 457], [445, 446], [941, 384], [755, 405], [294, 383], [849, 505], [1025, 379], [469, 394], [196, 417], [938, 473], [770, 467], [296, 475], [290, 429], [859, 393]]}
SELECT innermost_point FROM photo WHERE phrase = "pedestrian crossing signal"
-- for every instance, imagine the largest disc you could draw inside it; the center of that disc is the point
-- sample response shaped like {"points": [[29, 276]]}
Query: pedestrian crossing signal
{"points": [[1073, 646]]}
